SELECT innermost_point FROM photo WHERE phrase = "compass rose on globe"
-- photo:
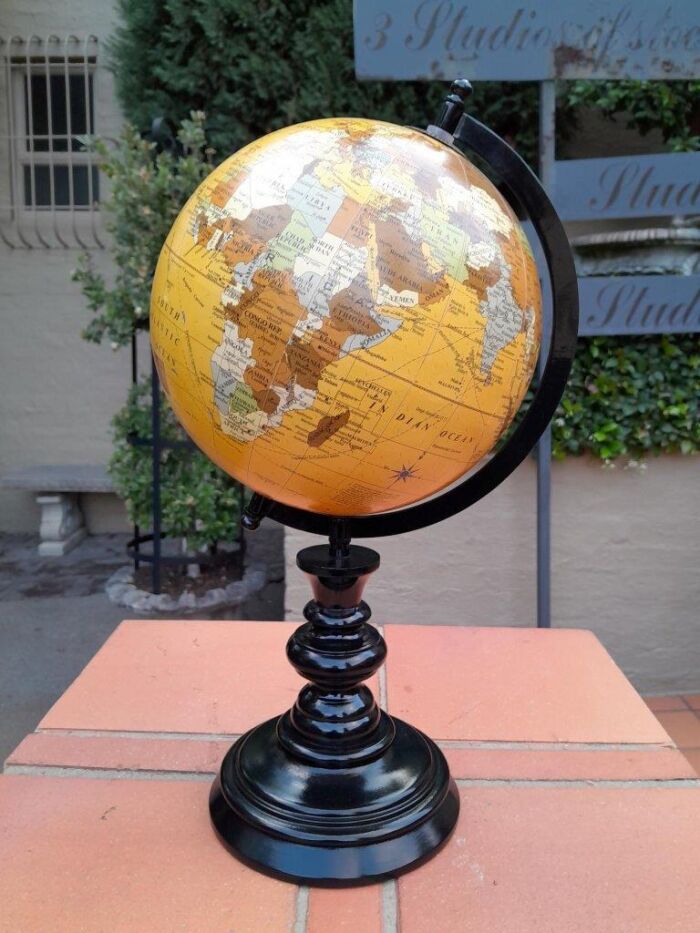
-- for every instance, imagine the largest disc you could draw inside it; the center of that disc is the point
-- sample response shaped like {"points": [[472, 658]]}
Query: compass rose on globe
{"points": [[346, 317]]}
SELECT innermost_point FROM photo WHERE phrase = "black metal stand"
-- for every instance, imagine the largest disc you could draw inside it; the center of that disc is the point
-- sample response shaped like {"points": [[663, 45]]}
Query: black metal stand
{"points": [[335, 792]]}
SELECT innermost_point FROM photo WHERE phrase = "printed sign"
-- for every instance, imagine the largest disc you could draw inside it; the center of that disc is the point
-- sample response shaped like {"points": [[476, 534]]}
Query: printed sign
{"points": [[506, 40], [629, 186], [639, 304]]}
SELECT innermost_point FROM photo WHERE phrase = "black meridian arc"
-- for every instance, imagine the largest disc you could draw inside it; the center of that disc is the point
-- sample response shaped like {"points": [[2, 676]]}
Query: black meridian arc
{"points": [[522, 189]]}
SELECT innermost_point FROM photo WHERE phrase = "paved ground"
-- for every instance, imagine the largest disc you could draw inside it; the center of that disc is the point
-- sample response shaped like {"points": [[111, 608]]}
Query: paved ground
{"points": [[54, 616], [680, 717]]}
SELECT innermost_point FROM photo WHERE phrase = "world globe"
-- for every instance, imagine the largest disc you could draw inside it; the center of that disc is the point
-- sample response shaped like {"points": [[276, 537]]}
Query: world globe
{"points": [[346, 316]]}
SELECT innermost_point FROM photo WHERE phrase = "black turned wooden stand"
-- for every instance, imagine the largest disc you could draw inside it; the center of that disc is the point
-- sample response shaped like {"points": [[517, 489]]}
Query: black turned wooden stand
{"points": [[335, 791]]}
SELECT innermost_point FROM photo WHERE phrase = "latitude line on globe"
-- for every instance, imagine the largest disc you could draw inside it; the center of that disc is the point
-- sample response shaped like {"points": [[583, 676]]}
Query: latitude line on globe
{"points": [[438, 325], [423, 388], [427, 318], [386, 372], [222, 436]]}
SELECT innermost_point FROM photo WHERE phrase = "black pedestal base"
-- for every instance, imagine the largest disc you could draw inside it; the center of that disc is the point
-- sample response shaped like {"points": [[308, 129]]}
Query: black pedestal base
{"points": [[334, 826]]}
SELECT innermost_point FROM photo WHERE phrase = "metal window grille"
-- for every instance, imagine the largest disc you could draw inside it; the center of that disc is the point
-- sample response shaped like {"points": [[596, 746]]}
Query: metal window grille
{"points": [[49, 193]]}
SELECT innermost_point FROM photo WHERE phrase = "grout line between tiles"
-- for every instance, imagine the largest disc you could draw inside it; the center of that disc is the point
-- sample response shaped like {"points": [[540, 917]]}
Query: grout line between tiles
{"points": [[390, 907], [301, 916], [107, 774], [495, 744], [576, 782], [498, 745], [133, 734], [158, 775]]}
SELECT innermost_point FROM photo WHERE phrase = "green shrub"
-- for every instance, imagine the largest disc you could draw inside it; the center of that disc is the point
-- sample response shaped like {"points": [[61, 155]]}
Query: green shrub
{"points": [[147, 191], [670, 106], [257, 65], [198, 501], [627, 397], [146, 194]]}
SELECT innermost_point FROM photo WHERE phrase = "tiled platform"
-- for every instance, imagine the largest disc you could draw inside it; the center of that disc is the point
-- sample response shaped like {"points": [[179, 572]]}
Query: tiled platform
{"points": [[578, 812]]}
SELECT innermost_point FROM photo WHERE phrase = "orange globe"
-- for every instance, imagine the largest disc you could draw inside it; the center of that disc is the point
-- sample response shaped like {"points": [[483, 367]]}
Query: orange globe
{"points": [[346, 316]]}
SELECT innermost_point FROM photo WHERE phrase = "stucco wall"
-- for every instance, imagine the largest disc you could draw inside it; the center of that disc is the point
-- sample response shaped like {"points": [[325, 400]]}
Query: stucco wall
{"points": [[57, 393], [626, 551]]}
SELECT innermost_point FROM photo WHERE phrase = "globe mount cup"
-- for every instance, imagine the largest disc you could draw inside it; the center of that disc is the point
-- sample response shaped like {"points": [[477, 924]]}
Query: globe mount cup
{"points": [[335, 791]]}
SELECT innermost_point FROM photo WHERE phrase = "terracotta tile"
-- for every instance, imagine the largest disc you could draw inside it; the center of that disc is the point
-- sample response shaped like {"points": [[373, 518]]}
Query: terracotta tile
{"points": [[119, 753], [664, 704], [569, 764], [684, 728], [80, 854], [513, 684], [693, 700], [553, 859], [693, 756], [347, 910], [184, 676]]}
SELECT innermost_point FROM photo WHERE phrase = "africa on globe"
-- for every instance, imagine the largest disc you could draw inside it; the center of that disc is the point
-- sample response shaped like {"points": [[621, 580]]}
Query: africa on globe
{"points": [[346, 316]]}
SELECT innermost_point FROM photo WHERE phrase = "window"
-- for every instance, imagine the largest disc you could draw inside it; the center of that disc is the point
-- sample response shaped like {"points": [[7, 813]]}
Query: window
{"points": [[53, 180], [58, 109]]}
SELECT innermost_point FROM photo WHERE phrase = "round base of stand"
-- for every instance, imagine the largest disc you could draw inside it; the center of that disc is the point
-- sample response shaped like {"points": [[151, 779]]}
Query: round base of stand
{"points": [[334, 826]]}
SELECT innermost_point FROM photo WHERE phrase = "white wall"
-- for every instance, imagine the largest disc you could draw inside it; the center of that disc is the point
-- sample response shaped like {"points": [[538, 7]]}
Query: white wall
{"points": [[626, 552], [57, 393]]}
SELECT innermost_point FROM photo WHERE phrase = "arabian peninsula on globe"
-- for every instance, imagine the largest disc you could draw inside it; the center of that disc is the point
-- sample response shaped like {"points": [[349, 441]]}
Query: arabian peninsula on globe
{"points": [[346, 316]]}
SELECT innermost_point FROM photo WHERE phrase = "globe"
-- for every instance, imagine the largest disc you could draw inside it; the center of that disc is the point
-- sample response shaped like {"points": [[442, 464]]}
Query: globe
{"points": [[346, 316]]}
